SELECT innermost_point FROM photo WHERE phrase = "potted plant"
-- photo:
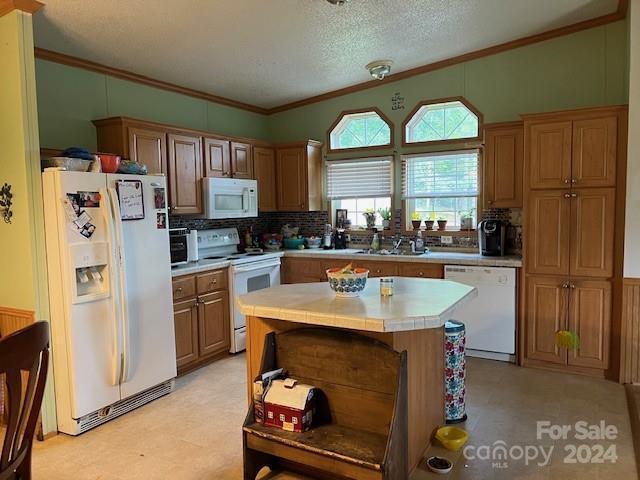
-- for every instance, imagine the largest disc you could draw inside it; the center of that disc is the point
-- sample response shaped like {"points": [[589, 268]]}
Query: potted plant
{"points": [[466, 220], [430, 221], [385, 213], [370, 217], [416, 220], [442, 223]]}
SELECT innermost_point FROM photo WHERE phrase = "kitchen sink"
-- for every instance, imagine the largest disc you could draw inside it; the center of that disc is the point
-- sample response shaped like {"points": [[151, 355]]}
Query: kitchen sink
{"points": [[384, 253]]}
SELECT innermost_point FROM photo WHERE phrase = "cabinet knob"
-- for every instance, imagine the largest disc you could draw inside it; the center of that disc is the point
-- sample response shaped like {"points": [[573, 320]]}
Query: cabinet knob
{"points": [[179, 290], [213, 282], [420, 274], [567, 195], [566, 181], [565, 285], [574, 180], [573, 285], [489, 202], [574, 195]]}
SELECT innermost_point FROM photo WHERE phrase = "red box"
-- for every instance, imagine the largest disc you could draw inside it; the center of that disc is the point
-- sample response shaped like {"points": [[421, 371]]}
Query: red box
{"points": [[289, 405]]}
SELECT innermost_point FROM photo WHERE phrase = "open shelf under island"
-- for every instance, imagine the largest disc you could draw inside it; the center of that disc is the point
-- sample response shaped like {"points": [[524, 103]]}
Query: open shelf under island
{"points": [[411, 320]]}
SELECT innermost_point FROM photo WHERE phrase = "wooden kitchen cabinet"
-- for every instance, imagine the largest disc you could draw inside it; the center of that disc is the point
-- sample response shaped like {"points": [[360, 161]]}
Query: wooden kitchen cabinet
{"points": [[301, 270], [213, 323], [595, 143], [590, 318], [299, 177], [133, 139], [201, 311], [421, 270], [185, 174], [548, 232], [241, 160], [592, 233], [503, 164], [546, 313], [378, 269], [548, 146], [217, 157], [264, 169], [185, 318]]}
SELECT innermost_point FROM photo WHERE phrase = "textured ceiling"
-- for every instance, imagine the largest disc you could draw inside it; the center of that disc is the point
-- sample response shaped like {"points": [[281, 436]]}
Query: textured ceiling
{"points": [[270, 52]]}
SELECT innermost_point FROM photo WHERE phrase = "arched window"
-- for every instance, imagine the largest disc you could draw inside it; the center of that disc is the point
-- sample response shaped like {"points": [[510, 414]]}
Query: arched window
{"points": [[361, 129], [446, 120]]}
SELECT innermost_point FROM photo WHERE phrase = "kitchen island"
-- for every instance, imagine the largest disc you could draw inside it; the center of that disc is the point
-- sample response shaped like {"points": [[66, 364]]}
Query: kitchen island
{"points": [[412, 320]]}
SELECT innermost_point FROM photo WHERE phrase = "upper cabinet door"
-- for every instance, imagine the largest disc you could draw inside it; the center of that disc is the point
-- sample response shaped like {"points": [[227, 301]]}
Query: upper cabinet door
{"points": [[549, 154], [291, 179], [148, 147], [217, 158], [592, 234], [548, 227], [185, 174], [546, 313], [595, 143], [264, 168], [590, 318], [241, 160], [503, 163]]}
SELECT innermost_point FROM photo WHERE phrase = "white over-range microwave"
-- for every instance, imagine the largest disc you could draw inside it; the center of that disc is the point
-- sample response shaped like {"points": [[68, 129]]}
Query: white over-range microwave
{"points": [[230, 198]]}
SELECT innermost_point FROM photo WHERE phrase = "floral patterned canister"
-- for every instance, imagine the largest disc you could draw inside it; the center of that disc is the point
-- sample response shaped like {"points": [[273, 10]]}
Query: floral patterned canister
{"points": [[454, 373]]}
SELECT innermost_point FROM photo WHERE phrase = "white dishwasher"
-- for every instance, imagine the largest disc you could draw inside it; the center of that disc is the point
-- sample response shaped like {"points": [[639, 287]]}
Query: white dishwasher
{"points": [[490, 318]]}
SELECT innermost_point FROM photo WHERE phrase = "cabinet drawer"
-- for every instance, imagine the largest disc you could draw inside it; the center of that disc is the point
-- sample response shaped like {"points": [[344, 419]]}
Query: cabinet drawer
{"points": [[184, 287], [378, 269], [211, 281], [421, 270]]}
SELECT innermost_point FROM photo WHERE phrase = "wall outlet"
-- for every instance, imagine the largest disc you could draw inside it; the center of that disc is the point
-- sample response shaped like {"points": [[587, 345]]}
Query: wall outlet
{"points": [[446, 239]]}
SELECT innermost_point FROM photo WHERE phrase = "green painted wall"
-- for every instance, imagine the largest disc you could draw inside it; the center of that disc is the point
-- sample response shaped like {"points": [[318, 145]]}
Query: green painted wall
{"points": [[588, 68], [69, 98]]}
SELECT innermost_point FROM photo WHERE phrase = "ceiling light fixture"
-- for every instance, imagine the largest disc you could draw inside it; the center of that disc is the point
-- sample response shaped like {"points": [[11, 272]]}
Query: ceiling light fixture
{"points": [[379, 69], [338, 2]]}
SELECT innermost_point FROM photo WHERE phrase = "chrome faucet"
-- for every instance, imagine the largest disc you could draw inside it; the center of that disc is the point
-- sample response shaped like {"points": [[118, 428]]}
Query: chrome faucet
{"points": [[396, 244]]}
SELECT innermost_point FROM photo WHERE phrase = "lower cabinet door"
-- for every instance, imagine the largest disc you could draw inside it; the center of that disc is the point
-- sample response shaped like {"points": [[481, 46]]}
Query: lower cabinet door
{"points": [[590, 318], [213, 323], [378, 269], [421, 270], [185, 318], [546, 313]]}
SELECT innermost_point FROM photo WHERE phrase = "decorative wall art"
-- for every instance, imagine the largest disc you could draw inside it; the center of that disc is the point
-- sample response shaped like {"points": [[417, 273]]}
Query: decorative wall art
{"points": [[6, 200]]}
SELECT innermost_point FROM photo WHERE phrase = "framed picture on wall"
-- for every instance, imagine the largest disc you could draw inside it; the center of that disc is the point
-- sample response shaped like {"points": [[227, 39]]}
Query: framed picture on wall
{"points": [[341, 216]]}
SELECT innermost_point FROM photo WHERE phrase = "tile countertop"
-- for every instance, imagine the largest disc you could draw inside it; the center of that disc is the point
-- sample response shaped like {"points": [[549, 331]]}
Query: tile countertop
{"points": [[451, 258], [197, 267], [417, 303]]}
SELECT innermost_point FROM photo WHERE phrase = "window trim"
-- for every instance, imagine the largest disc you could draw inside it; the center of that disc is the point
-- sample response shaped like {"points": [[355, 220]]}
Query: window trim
{"points": [[454, 141], [344, 113], [404, 223]]}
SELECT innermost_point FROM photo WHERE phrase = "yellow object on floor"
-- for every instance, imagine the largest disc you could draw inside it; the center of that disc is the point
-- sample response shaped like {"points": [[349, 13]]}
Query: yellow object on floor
{"points": [[452, 438]]}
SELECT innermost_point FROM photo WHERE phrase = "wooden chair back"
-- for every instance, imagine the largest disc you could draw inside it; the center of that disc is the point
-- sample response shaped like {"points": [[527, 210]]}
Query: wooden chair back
{"points": [[357, 375], [27, 351]]}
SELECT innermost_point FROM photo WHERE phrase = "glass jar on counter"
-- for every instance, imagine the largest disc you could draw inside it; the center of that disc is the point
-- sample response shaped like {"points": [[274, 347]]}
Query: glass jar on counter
{"points": [[386, 287]]}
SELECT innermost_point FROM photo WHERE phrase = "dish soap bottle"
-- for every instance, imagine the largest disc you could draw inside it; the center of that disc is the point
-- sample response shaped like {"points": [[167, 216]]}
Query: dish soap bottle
{"points": [[375, 242]]}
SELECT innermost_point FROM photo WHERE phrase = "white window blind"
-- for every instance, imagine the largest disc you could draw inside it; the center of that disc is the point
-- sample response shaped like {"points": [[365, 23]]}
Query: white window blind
{"points": [[361, 178], [443, 174]]}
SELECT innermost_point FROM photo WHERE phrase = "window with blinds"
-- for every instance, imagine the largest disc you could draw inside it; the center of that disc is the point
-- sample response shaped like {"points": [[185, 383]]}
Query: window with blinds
{"points": [[441, 186], [359, 186]]}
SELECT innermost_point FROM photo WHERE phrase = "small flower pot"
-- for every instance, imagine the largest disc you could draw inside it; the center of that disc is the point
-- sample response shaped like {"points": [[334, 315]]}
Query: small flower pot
{"points": [[371, 222], [429, 224], [416, 224], [442, 224], [386, 224], [466, 223]]}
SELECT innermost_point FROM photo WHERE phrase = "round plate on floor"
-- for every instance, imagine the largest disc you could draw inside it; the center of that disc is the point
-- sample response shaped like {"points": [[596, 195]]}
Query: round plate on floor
{"points": [[439, 465]]}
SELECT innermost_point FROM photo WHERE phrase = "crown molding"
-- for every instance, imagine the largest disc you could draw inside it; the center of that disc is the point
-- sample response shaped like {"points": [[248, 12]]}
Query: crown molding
{"points": [[26, 6], [44, 54], [72, 61]]}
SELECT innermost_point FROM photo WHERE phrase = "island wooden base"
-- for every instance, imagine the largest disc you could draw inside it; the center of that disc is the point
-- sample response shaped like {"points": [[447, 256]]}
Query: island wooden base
{"points": [[425, 374]]}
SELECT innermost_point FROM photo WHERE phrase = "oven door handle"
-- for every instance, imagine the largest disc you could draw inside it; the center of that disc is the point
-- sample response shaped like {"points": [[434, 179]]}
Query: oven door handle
{"points": [[255, 267]]}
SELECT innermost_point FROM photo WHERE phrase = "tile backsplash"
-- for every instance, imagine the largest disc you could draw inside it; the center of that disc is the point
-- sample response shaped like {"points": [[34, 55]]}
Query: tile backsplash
{"points": [[312, 223]]}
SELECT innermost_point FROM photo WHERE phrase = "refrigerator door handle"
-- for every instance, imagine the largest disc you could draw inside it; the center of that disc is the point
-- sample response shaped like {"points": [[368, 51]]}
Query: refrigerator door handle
{"points": [[122, 283], [115, 296]]}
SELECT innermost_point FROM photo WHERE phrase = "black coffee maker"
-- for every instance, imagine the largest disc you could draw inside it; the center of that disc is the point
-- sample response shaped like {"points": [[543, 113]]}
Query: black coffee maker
{"points": [[340, 239], [491, 237]]}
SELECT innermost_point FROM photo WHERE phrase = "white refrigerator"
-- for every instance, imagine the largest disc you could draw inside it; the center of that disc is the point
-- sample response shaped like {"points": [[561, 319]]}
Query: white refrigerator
{"points": [[109, 276]]}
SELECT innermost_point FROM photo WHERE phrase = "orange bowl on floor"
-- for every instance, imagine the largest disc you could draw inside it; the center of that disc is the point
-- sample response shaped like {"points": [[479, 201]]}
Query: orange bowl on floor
{"points": [[109, 162]]}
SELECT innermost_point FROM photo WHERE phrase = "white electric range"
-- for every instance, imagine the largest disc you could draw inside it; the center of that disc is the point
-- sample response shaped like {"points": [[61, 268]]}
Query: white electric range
{"points": [[247, 272]]}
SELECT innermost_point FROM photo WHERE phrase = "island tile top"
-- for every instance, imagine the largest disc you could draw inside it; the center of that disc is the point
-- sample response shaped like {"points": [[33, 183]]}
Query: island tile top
{"points": [[417, 303]]}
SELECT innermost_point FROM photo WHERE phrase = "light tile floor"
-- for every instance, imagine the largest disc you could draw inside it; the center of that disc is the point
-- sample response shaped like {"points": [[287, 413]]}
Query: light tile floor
{"points": [[194, 433]]}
